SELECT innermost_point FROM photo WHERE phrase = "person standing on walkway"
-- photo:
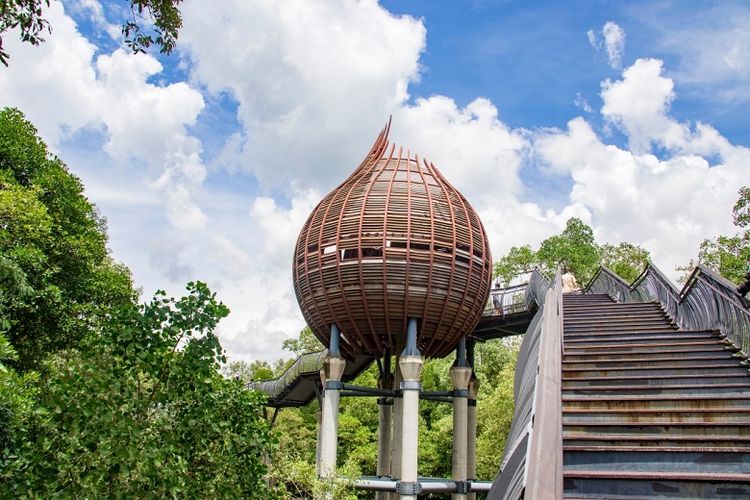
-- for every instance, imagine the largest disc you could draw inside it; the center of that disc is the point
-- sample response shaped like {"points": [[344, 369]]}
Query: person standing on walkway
{"points": [[570, 285]]}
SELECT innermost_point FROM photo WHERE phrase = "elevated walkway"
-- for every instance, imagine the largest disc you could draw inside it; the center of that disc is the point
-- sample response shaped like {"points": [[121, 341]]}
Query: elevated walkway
{"points": [[508, 312], [651, 391], [648, 409]]}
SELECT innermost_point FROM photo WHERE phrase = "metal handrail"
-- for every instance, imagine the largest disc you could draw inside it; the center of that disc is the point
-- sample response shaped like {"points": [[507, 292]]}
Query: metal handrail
{"points": [[706, 302], [306, 364], [503, 301], [533, 450], [511, 300]]}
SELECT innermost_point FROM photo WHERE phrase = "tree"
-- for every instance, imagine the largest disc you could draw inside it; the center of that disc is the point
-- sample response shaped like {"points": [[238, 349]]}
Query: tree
{"points": [[17, 394], [625, 259], [305, 342], [518, 261], [728, 255], [248, 371], [142, 411], [153, 22], [57, 279], [575, 248]]}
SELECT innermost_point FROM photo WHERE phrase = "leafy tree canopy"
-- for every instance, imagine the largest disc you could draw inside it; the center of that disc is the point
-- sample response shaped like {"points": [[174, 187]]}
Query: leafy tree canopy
{"points": [[575, 248], [728, 255], [152, 22], [142, 412], [57, 279], [306, 341]]}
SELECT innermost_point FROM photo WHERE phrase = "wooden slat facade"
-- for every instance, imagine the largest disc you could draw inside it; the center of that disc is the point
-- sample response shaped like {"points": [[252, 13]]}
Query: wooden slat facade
{"points": [[394, 240]]}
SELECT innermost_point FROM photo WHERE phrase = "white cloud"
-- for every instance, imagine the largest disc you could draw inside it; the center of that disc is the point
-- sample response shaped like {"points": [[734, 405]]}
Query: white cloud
{"points": [[612, 39], [594, 39], [668, 205], [639, 105], [582, 103], [320, 76], [63, 88], [314, 82], [713, 50]]}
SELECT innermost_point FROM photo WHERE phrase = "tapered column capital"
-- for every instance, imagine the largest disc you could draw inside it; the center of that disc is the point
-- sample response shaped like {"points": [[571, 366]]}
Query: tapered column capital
{"points": [[473, 388], [411, 367], [460, 376], [333, 368]]}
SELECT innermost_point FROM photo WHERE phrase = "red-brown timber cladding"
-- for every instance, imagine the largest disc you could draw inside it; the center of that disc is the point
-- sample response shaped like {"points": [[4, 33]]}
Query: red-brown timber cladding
{"points": [[394, 241]]}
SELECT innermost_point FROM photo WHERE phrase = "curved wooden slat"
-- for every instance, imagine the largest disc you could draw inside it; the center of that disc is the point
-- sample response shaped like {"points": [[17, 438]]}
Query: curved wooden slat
{"points": [[395, 240]]}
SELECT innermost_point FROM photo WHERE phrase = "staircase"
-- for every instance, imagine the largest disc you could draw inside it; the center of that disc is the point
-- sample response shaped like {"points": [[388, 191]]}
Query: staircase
{"points": [[650, 411]]}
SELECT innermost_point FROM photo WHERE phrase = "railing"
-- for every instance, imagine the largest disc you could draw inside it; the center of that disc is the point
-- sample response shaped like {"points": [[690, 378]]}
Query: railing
{"points": [[532, 462], [504, 301], [537, 288], [706, 302], [306, 364]]}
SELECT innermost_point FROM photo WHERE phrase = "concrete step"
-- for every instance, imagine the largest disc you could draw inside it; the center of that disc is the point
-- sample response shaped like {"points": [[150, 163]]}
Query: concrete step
{"points": [[674, 416], [620, 369], [596, 316], [714, 401], [659, 430], [717, 462], [696, 389], [620, 326], [572, 311], [695, 357], [576, 338], [639, 485], [650, 348], [572, 383], [673, 440], [631, 339]]}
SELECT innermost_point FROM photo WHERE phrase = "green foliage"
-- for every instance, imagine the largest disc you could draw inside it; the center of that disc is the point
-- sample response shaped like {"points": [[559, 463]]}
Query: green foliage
{"points": [[305, 342], [16, 401], [142, 412], [57, 280], [627, 260], [153, 22], [495, 367], [575, 248], [519, 260], [741, 210], [728, 255], [162, 24], [248, 371], [296, 428], [25, 15]]}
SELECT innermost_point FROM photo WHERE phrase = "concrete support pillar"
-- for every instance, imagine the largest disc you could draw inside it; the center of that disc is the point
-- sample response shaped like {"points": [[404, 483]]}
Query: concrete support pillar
{"points": [[411, 363], [385, 420], [460, 376], [319, 416], [333, 368], [397, 423], [471, 431]]}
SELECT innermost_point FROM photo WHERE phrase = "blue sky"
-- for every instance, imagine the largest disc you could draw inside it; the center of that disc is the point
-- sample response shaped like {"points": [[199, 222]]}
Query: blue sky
{"points": [[630, 115]]}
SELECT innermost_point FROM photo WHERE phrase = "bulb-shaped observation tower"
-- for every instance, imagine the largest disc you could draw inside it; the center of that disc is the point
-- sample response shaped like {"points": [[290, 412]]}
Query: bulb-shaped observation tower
{"points": [[394, 241]]}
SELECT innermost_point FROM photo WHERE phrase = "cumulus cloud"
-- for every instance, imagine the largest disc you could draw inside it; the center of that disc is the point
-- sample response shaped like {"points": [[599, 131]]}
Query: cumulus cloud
{"points": [[582, 103], [63, 87], [667, 205], [321, 76], [313, 82], [713, 50], [611, 38], [639, 104]]}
